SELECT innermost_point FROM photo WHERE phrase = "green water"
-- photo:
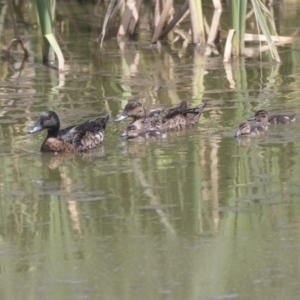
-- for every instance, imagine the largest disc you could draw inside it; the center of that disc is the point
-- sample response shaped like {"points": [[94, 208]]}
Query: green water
{"points": [[198, 215]]}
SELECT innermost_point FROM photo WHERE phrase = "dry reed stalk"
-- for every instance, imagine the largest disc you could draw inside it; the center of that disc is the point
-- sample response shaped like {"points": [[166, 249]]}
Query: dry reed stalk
{"points": [[130, 12], [162, 21], [228, 46], [177, 17]]}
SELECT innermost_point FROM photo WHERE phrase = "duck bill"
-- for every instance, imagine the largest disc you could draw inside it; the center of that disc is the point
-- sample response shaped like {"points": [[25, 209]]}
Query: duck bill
{"points": [[252, 118], [238, 133], [36, 128], [124, 134], [122, 117]]}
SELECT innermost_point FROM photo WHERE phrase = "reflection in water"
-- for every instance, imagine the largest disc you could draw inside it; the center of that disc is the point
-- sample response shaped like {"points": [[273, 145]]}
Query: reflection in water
{"points": [[148, 219], [154, 202], [243, 141]]}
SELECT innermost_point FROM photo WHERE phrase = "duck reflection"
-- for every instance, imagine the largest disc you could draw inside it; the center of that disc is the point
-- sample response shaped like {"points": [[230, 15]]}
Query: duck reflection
{"points": [[53, 161], [243, 141]]}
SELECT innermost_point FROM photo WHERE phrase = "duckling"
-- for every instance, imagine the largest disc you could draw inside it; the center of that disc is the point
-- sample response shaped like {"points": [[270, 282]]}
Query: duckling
{"points": [[245, 129], [273, 119], [135, 131], [76, 138]]}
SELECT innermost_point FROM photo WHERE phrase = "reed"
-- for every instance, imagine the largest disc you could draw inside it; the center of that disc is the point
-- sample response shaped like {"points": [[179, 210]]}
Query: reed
{"points": [[45, 10], [238, 20], [263, 16]]}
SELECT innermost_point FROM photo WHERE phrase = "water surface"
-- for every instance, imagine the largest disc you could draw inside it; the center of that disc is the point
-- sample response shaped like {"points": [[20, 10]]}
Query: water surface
{"points": [[197, 215]]}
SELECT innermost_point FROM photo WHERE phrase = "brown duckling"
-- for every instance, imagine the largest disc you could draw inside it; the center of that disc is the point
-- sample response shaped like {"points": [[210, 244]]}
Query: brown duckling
{"points": [[76, 138], [245, 129], [262, 114], [136, 130]]}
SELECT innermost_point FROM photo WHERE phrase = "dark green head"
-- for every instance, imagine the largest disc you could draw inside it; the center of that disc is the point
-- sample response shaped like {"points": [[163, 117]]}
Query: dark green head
{"points": [[47, 120]]}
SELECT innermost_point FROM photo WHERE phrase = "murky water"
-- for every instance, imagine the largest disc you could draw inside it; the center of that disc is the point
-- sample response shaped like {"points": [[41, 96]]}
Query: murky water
{"points": [[198, 215]]}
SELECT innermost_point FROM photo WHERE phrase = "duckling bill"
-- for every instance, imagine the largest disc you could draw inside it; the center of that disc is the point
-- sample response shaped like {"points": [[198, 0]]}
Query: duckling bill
{"points": [[75, 138]]}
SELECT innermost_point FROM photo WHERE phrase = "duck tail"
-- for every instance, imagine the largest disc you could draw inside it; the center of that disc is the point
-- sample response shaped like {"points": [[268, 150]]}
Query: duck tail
{"points": [[182, 107], [198, 109], [193, 114], [102, 121]]}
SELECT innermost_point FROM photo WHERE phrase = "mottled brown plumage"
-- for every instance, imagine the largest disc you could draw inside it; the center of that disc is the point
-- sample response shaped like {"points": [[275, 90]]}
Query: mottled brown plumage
{"points": [[136, 129], [245, 129], [137, 111], [76, 138], [156, 123]]}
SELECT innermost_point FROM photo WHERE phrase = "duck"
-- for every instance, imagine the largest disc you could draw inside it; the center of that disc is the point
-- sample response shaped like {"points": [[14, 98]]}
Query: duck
{"points": [[136, 110], [262, 114], [75, 138], [245, 129], [136, 130], [163, 120]]}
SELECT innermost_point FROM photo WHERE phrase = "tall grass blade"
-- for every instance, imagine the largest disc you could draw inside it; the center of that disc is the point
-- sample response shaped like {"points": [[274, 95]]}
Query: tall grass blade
{"points": [[105, 22], [259, 8], [242, 24], [60, 57], [197, 21], [45, 9], [238, 20]]}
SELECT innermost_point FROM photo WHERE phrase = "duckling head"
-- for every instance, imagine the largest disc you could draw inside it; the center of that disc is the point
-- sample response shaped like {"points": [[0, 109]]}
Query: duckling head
{"points": [[244, 128]]}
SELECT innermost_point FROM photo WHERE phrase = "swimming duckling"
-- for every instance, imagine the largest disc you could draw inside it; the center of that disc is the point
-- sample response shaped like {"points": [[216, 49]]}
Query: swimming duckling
{"points": [[273, 119], [135, 130], [245, 129]]}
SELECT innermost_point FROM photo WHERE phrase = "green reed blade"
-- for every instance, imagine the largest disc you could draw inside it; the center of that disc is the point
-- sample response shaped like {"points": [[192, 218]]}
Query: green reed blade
{"points": [[45, 9], [238, 21], [259, 8]]}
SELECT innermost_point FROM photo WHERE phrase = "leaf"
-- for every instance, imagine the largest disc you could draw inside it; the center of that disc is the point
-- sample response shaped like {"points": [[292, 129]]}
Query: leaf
{"points": [[259, 8], [52, 41]]}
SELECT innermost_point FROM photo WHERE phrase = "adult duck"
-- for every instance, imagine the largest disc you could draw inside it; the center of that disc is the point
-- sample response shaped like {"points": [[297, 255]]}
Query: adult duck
{"points": [[75, 138], [163, 120], [136, 110]]}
